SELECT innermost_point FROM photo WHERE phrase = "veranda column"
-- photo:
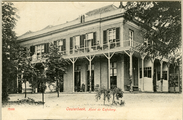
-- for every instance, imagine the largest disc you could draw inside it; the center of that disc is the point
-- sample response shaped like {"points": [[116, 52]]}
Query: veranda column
{"points": [[73, 76], [122, 74], [108, 56], [73, 61], [161, 74], [90, 73], [139, 87], [143, 55], [152, 74], [143, 71], [130, 53], [109, 72], [131, 77], [90, 60], [168, 65]]}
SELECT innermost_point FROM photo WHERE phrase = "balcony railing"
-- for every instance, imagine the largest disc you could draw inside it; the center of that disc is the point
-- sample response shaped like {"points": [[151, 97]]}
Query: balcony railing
{"points": [[107, 46]]}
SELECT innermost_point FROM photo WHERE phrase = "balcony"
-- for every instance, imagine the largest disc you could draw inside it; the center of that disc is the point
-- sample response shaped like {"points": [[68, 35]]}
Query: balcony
{"points": [[96, 49], [105, 47]]}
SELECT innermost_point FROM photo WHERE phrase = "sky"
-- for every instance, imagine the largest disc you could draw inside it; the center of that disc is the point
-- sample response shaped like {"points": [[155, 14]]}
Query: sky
{"points": [[35, 16]]}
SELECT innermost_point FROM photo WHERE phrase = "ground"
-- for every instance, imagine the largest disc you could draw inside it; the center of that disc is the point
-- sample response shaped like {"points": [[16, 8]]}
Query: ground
{"points": [[162, 106]]}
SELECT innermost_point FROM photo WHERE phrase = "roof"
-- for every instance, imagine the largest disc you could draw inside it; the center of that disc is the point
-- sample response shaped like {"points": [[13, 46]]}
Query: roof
{"points": [[102, 10], [50, 28]]}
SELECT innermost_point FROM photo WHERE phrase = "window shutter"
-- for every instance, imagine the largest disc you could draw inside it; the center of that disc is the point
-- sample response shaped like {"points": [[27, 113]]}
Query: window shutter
{"points": [[104, 36], [94, 39], [82, 41], [45, 48], [32, 50], [117, 34], [64, 45], [55, 43], [71, 42], [83, 18]]}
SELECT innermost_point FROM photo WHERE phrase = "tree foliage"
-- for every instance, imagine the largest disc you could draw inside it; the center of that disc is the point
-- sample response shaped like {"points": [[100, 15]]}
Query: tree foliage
{"points": [[9, 45], [56, 66], [161, 23]]}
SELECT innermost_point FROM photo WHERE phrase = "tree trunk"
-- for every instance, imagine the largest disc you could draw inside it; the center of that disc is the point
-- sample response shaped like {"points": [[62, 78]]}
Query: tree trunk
{"points": [[174, 79], [58, 92], [42, 93], [25, 90], [42, 96], [104, 98], [178, 79], [58, 88]]}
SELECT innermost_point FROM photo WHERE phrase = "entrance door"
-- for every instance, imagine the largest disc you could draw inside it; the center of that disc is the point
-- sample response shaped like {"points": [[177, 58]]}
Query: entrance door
{"points": [[135, 71], [113, 81], [92, 80], [77, 81], [113, 75]]}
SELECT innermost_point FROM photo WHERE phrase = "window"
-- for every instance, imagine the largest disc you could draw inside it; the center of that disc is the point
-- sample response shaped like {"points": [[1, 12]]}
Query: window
{"points": [[89, 36], [82, 18], [131, 37], [77, 40], [165, 75], [90, 42], [112, 37], [112, 34], [113, 69], [40, 50], [60, 44], [113, 75], [147, 72]]}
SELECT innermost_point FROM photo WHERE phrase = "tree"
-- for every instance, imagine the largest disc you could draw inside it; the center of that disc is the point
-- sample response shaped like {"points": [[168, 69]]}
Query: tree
{"points": [[24, 65], [175, 59], [9, 19], [56, 66], [161, 24]]}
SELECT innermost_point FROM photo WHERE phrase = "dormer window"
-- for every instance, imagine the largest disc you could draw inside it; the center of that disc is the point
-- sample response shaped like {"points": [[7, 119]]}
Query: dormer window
{"points": [[82, 18]]}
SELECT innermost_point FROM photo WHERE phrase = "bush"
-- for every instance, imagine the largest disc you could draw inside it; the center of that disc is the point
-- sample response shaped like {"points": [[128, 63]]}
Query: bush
{"points": [[115, 92], [105, 92]]}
